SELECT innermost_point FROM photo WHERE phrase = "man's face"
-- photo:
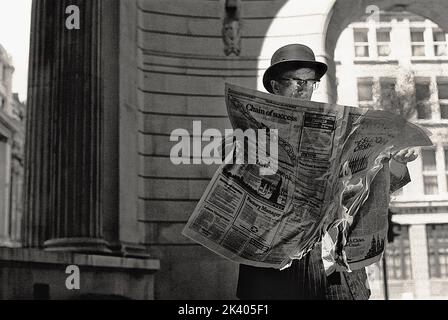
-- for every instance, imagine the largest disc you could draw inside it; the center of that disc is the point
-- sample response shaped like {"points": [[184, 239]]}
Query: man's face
{"points": [[290, 84]]}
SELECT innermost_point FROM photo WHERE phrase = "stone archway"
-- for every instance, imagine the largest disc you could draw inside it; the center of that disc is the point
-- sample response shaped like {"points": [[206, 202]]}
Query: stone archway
{"points": [[324, 21], [344, 12]]}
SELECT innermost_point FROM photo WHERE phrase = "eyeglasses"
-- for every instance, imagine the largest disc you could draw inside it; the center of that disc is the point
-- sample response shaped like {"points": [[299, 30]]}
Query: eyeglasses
{"points": [[303, 83]]}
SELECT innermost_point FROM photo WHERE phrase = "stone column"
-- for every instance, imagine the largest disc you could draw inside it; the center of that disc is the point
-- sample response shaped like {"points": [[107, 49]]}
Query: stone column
{"points": [[64, 142]]}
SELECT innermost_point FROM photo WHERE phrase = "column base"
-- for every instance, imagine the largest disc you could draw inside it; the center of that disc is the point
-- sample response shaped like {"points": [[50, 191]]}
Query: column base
{"points": [[10, 243], [85, 245]]}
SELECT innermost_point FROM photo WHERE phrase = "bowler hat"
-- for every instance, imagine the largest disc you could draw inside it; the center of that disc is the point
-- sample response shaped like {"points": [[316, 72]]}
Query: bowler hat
{"points": [[292, 56]]}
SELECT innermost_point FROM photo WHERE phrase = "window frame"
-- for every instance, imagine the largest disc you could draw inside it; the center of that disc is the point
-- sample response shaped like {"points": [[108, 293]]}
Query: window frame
{"points": [[426, 103], [364, 44], [418, 43], [442, 101], [383, 43], [366, 81], [437, 250], [437, 43], [430, 173]]}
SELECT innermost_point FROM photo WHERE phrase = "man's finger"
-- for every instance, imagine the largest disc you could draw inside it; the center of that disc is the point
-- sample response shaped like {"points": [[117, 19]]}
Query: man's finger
{"points": [[410, 152], [412, 157], [400, 153]]}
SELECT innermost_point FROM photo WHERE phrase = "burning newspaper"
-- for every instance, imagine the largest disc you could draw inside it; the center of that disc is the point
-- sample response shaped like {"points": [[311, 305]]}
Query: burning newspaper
{"points": [[301, 188]]}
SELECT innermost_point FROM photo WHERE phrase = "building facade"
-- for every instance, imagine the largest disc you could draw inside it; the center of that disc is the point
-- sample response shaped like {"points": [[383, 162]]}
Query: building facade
{"points": [[12, 133], [398, 61]]}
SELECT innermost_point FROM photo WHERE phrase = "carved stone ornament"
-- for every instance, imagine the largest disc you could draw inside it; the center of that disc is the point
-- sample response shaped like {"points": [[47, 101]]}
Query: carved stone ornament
{"points": [[231, 29]]}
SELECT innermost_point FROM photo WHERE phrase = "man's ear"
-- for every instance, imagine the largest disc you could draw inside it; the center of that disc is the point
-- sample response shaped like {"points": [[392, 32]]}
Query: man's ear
{"points": [[275, 87]]}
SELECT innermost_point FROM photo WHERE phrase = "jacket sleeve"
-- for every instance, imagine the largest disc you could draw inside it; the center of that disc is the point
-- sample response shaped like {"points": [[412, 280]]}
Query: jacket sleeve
{"points": [[399, 175]]}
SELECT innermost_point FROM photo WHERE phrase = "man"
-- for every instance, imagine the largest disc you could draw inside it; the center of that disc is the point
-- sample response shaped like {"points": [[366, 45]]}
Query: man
{"points": [[295, 73]]}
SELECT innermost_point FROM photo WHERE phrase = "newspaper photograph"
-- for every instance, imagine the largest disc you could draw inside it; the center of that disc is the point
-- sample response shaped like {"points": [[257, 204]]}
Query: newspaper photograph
{"points": [[326, 161]]}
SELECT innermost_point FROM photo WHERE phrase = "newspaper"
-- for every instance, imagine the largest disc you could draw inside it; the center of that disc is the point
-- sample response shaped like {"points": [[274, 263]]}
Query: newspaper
{"points": [[328, 156]]}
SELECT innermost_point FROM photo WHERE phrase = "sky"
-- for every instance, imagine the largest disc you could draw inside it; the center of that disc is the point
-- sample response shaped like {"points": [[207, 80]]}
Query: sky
{"points": [[15, 18]]}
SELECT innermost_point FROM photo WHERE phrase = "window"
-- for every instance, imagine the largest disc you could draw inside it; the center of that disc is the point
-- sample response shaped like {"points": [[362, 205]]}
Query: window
{"points": [[365, 92], [388, 94], [439, 42], [387, 86], [422, 92], [443, 110], [4, 74], [437, 250], [442, 88], [383, 42], [430, 185], [429, 159], [422, 95], [398, 255], [429, 170], [445, 149], [417, 43], [361, 42], [442, 91], [2, 103]]}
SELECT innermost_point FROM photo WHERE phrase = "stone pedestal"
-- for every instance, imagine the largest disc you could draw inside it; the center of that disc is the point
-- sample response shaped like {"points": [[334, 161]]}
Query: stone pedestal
{"points": [[27, 273]]}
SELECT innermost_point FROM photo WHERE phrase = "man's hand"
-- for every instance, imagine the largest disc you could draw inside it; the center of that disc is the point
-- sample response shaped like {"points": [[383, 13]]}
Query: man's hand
{"points": [[405, 155]]}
